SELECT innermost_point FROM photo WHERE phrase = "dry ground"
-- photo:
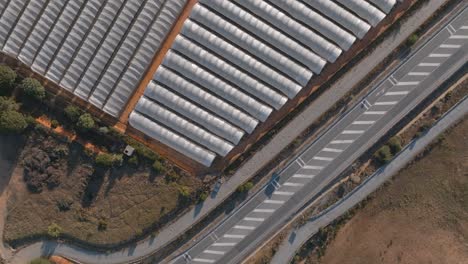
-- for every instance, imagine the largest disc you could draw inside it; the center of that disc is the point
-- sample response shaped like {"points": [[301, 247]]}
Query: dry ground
{"points": [[421, 217], [105, 206]]}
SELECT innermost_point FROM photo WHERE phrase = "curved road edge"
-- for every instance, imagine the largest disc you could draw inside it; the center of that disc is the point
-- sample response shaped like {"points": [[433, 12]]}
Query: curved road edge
{"points": [[288, 248]]}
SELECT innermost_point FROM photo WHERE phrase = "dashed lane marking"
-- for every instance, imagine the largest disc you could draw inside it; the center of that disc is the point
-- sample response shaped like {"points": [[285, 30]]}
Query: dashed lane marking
{"points": [[407, 83], [283, 193], [244, 227], [397, 93], [346, 141], [386, 103], [213, 252], [203, 260], [254, 219], [449, 46], [418, 73], [375, 112], [429, 64], [303, 176], [293, 184], [224, 244], [256, 210], [363, 122], [334, 150], [310, 167], [322, 158], [352, 132], [273, 201], [233, 236], [439, 55]]}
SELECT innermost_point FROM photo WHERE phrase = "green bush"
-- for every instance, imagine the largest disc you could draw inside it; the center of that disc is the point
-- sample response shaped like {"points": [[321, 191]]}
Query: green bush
{"points": [[54, 230], [54, 123], [64, 204], [184, 192], [73, 113], [8, 104], [104, 130], [33, 89], [245, 187], [384, 154], [85, 122], [412, 39], [202, 196], [133, 161], [40, 261], [7, 79], [108, 160], [12, 122], [395, 144], [158, 167]]}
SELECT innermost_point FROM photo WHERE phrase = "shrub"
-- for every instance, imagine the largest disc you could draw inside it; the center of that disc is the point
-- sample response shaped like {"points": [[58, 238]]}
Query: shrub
{"points": [[33, 89], [184, 192], [54, 123], [245, 187], [73, 113], [412, 40], [85, 122], [12, 122], [108, 160], [64, 204], [30, 120], [133, 161], [172, 177], [54, 230], [8, 104], [102, 225], [40, 261], [384, 154], [158, 167], [203, 196], [104, 130], [7, 79], [395, 144]]}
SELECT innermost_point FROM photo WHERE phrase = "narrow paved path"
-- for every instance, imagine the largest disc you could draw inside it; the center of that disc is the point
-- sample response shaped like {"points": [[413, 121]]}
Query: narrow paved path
{"points": [[307, 117], [297, 238]]}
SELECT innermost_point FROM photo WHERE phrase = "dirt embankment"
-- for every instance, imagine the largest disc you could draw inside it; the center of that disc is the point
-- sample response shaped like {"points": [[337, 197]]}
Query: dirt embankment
{"points": [[421, 217]]}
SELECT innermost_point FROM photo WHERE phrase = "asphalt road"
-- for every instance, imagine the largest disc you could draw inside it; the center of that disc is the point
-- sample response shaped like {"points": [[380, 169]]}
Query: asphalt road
{"points": [[298, 237], [334, 151]]}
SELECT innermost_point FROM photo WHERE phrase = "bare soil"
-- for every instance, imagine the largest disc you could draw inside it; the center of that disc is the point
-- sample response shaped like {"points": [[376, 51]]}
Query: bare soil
{"points": [[94, 206], [420, 217]]}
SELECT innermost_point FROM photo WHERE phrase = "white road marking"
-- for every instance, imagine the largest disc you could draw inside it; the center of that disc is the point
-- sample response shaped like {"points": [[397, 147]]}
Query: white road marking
{"points": [[397, 93], [256, 210], [300, 162], [273, 201], [244, 227], [283, 193], [451, 29], [323, 158], [418, 73], [303, 176], [313, 167], [214, 252], [347, 141], [459, 37], [464, 27], [254, 219], [363, 122], [352, 132], [294, 184], [450, 46], [224, 244], [387, 103], [375, 112], [203, 260], [334, 150], [430, 64], [439, 55], [233, 236], [407, 83]]}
